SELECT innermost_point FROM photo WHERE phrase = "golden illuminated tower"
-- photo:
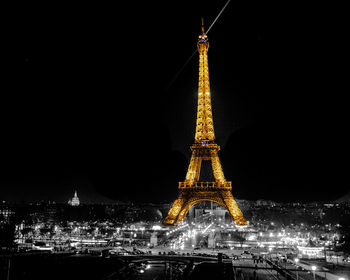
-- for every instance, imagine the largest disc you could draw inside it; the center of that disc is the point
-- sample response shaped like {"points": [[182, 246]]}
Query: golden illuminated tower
{"points": [[192, 191]]}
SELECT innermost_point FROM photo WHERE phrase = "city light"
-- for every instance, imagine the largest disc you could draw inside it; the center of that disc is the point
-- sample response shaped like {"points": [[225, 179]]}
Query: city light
{"points": [[313, 267], [187, 238], [143, 227], [156, 227]]}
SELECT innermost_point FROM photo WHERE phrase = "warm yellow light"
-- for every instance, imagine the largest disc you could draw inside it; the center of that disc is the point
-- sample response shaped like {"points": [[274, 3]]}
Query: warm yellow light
{"points": [[192, 191]]}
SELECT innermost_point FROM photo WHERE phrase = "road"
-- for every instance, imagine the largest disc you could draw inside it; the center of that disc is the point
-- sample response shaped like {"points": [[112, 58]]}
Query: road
{"points": [[155, 271]]}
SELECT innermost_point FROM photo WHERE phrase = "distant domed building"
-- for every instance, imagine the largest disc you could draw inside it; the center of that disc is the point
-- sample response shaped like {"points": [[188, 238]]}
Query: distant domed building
{"points": [[75, 200]]}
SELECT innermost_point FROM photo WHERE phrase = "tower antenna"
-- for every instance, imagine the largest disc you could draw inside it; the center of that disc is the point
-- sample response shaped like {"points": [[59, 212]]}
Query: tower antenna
{"points": [[188, 60], [203, 32]]}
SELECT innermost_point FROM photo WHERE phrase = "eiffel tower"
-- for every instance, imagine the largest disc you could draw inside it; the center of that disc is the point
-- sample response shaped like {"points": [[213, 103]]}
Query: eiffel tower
{"points": [[192, 191]]}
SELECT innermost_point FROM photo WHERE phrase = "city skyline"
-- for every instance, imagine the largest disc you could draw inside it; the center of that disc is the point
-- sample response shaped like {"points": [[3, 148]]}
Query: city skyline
{"points": [[277, 102], [174, 140], [93, 197]]}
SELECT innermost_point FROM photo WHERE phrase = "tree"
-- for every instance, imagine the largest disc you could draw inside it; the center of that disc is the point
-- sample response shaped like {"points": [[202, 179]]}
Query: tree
{"points": [[7, 235]]}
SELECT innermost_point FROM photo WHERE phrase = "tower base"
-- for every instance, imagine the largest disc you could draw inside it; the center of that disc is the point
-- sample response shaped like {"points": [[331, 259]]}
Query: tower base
{"points": [[190, 196]]}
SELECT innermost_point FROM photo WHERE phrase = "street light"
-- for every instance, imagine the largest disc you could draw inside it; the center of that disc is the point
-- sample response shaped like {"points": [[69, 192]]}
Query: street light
{"points": [[296, 260], [270, 251], [313, 270]]}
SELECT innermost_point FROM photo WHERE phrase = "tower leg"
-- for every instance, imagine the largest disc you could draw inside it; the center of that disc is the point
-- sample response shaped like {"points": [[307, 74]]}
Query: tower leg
{"points": [[233, 209], [173, 215], [193, 169], [217, 168]]}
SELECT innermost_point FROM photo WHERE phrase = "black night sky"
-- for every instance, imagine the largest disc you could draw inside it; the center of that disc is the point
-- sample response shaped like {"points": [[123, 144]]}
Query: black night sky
{"points": [[86, 99]]}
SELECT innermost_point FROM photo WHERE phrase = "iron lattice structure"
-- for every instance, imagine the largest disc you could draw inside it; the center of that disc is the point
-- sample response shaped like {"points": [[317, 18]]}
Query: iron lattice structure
{"points": [[192, 191]]}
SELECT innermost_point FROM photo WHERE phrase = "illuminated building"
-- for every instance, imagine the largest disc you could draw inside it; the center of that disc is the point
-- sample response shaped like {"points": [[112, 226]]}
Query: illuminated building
{"points": [[6, 213], [75, 200], [311, 252], [192, 190], [215, 213], [154, 239]]}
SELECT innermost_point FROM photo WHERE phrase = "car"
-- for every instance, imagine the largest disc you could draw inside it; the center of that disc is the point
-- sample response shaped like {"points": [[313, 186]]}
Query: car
{"points": [[246, 255]]}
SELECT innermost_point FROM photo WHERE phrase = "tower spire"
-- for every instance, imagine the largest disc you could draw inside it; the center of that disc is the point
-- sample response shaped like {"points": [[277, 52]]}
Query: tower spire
{"points": [[204, 125], [203, 32]]}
